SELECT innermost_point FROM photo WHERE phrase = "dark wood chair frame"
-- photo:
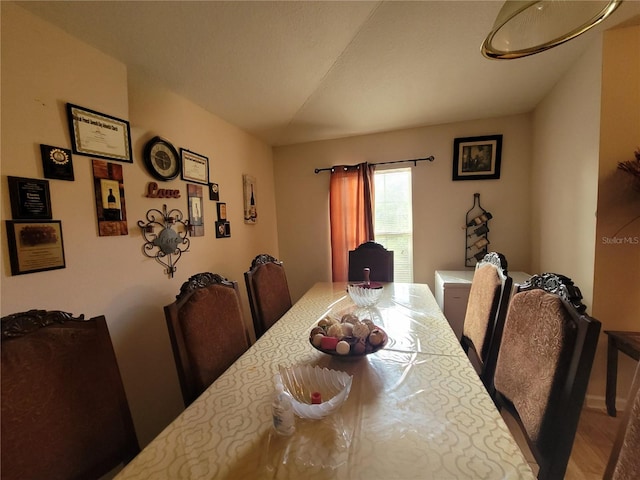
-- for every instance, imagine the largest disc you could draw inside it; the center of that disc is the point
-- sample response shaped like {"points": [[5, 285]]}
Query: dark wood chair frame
{"points": [[374, 256], [184, 366], [259, 323], [19, 325], [565, 412], [497, 315]]}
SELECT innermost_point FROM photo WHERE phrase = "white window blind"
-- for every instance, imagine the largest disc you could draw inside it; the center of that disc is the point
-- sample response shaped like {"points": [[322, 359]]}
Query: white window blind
{"points": [[394, 219]]}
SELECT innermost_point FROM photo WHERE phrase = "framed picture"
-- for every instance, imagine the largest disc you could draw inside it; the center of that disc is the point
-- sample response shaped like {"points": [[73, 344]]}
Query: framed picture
{"points": [[214, 191], [195, 167], [222, 211], [223, 229], [98, 135], [30, 198], [250, 208], [196, 215], [477, 158], [57, 163], [110, 205], [35, 246]]}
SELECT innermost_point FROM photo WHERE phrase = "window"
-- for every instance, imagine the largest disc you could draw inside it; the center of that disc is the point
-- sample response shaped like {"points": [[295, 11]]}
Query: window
{"points": [[394, 219]]}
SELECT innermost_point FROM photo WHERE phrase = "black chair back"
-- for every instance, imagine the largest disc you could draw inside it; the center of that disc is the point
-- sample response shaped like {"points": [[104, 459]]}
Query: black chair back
{"points": [[268, 292], [486, 313], [374, 256], [543, 367], [64, 410], [207, 331]]}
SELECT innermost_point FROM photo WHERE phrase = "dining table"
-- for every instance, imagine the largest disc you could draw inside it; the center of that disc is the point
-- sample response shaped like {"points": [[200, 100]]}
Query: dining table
{"points": [[416, 409]]}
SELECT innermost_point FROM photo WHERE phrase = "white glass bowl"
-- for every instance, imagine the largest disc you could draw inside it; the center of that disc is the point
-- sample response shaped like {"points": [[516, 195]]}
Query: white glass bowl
{"points": [[303, 380], [363, 296]]}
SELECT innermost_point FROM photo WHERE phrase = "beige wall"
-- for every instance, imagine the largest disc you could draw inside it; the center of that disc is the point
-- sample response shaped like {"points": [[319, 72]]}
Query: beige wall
{"points": [[587, 124], [440, 204], [565, 173], [42, 69], [616, 299]]}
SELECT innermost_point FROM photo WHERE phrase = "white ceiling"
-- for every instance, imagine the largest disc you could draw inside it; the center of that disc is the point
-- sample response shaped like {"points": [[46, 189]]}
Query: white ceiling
{"points": [[299, 71]]}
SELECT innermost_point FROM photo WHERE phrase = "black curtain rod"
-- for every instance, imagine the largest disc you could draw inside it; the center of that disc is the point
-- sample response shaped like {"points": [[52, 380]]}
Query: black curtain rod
{"points": [[415, 162]]}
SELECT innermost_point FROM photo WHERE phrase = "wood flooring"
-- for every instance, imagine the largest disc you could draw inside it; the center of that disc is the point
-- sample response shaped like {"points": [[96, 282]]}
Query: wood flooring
{"points": [[591, 447]]}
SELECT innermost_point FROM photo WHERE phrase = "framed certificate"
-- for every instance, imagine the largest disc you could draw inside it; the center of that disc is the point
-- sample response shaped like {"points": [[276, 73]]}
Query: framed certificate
{"points": [[35, 246], [99, 135], [30, 198], [195, 167]]}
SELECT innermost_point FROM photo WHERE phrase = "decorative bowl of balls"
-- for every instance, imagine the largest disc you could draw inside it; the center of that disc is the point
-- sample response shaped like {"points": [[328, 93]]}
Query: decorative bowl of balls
{"points": [[348, 336]]}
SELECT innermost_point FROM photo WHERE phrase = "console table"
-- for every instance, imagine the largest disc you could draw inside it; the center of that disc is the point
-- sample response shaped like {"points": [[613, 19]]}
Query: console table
{"points": [[625, 342]]}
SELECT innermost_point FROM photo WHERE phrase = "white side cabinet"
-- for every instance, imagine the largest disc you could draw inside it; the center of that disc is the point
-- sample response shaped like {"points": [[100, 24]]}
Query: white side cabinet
{"points": [[452, 294]]}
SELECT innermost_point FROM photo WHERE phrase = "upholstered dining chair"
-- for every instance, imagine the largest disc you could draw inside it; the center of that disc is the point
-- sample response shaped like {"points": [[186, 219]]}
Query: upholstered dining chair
{"points": [[374, 256], [624, 461], [268, 292], [486, 312], [543, 367], [206, 330], [64, 410]]}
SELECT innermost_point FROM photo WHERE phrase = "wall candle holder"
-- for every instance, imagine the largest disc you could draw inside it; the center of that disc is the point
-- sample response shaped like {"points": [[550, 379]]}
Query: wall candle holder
{"points": [[170, 243]]}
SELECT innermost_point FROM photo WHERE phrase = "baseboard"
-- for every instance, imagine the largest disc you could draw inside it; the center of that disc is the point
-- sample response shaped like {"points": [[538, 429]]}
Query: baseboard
{"points": [[598, 402]]}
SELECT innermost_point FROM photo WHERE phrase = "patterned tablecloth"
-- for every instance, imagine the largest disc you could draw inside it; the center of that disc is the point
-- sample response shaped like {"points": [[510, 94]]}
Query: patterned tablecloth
{"points": [[417, 409]]}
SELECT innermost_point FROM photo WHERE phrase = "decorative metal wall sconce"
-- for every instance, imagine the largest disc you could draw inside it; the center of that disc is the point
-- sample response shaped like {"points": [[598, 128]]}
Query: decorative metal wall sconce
{"points": [[170, 243]]}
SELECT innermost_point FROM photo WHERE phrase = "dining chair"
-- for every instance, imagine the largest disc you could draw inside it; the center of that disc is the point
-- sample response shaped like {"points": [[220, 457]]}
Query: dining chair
{"points": [[64, 410], [486, 311], [268, 292], [374, 256], [624, 461], [206, 330], [543, 367]]}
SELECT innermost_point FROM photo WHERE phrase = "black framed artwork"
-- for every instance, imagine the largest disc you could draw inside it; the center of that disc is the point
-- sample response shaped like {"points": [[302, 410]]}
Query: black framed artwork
{"points": [[222, 211], [195, 167], [30, 198], [477, 158], [223, 229], [57, 163], [99, 135], [196, 213], [35, 246], [214, 191], [111, 210]]}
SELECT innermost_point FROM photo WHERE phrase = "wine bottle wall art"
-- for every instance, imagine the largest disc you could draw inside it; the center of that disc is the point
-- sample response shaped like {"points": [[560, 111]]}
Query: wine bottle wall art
{"points": [[477, 233]]}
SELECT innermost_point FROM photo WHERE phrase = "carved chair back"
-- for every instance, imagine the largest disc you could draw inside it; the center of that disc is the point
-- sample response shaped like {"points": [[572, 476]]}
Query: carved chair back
{"points": [[64, 410], [207, 331], [543, 367], [374, 256], [268, 292], [486, 312]]}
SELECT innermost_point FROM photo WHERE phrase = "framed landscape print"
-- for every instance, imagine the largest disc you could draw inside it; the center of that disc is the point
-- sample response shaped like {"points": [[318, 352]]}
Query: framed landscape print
{"points": [[477, 158], [35, 246]]}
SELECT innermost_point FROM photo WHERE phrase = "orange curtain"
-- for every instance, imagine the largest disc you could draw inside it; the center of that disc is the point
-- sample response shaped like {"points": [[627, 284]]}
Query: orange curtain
{"points": [[351, 213]]}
